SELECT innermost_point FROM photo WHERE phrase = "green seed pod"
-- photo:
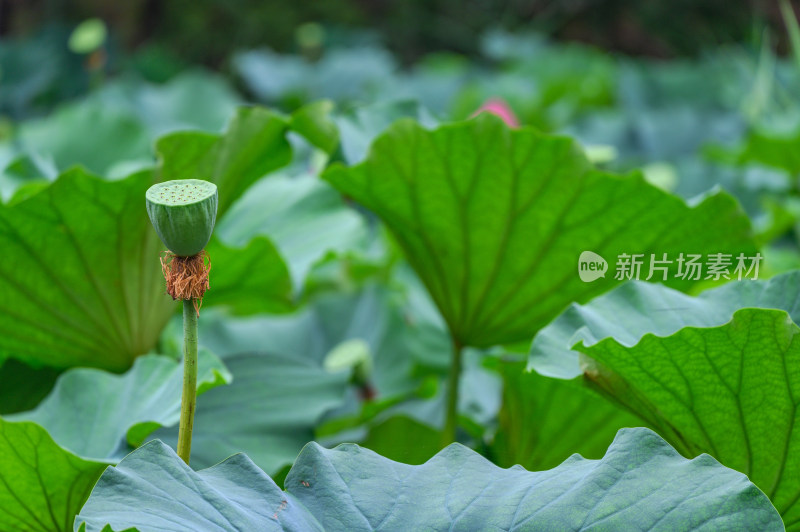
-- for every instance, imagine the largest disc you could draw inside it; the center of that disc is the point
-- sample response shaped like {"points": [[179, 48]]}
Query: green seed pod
{"points": [[183, 213]]}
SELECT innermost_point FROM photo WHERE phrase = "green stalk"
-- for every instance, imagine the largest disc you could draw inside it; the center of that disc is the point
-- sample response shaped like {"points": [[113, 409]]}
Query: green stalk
{"points": [[451, 412], [189, 397]]}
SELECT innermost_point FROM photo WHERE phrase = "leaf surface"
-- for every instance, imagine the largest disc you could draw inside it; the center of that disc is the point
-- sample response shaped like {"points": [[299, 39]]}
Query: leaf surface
{"points": [[493, 220], [80, 277], [640, 483]]}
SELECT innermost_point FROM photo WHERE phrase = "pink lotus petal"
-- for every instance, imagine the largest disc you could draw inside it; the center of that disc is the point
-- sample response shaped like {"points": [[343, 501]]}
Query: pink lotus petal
{"points": [[500, 108]]}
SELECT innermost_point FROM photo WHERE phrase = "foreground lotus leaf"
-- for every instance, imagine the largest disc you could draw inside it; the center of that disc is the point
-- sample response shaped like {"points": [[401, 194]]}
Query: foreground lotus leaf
{"points": [[641, 483]]}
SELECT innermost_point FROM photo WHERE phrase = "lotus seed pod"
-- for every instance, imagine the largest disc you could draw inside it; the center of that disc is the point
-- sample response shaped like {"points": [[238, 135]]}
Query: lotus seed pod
{"points": [[183, 213]]}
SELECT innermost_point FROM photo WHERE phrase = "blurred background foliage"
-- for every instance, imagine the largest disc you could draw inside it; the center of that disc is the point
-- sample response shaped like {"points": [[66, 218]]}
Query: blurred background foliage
{"points": [[409, 29], [159, 39]]}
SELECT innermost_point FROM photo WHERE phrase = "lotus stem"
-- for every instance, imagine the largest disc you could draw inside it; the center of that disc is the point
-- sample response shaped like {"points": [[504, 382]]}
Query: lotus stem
{"points": [[189, 394]]}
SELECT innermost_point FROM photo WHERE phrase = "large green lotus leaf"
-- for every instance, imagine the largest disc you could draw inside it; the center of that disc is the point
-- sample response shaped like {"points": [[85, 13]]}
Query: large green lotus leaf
{"points": [[634, 309], [42, 486], [494, 220], [543, 421], [731, 391], [250, 279], [304, 216], [269, 411], [253, 145], [93, 413], [641, 483], [80, 277]]}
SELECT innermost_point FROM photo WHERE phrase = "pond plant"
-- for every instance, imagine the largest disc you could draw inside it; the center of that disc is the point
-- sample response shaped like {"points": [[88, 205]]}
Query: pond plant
{"points": [[183, 213]]}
